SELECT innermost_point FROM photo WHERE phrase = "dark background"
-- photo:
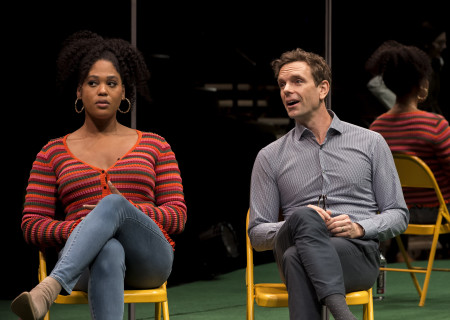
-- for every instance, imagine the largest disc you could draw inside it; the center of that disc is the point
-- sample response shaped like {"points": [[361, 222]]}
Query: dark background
{"points": [[188, 46]]}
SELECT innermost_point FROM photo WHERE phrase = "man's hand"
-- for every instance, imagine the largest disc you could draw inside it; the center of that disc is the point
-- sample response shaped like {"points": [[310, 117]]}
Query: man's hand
{"points": [[342, 226], [325, 214]]}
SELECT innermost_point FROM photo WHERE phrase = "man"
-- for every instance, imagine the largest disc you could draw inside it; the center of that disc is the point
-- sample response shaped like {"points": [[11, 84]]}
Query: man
{"points": [[337, 190]]}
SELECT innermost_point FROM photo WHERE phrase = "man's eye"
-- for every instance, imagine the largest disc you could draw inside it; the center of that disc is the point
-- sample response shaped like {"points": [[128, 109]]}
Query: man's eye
{"points": [[281, 84]]}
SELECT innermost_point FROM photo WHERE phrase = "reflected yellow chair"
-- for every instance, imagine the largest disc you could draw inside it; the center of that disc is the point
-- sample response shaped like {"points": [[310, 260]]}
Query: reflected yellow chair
{"points": [[157, 296], [275, 294], [415, 173]]}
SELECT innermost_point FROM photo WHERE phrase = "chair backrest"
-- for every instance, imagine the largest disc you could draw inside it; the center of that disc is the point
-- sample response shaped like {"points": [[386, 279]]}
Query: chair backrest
{"points": [[264, 294], [415, 173], [249, 270]]}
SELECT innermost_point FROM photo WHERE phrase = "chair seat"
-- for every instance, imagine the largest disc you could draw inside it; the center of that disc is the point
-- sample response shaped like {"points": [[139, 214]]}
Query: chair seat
{"points": [[76, 297], [275, 295], [130, 296], [357, 297], [148, 295], [271, 295], [158, 296], [426, 229]]}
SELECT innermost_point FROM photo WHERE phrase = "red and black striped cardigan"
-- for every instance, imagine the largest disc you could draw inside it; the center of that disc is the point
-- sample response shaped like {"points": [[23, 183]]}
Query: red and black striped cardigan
{"points": [[148, 176], [425, 135]]}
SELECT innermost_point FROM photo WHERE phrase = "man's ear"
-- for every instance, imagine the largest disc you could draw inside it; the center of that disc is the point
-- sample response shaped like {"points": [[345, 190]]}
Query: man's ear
{"points": [[324, 88]]}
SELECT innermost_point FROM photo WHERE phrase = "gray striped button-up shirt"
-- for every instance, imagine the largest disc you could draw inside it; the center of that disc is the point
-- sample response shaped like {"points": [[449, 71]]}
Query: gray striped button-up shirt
{"points": [[353, 167]]}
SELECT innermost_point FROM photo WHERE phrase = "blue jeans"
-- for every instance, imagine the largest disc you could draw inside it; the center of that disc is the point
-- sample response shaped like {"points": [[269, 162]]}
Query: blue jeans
{"points": [[121, 247]]}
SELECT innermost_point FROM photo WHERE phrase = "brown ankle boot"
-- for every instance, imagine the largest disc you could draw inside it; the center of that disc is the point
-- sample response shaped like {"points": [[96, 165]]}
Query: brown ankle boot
{"points": [[35, 304]]}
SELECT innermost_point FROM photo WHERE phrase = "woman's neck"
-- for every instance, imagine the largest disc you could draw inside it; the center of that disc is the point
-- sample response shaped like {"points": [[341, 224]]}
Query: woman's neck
{"points": [[409, 104], [403, 108], [91, 127]]}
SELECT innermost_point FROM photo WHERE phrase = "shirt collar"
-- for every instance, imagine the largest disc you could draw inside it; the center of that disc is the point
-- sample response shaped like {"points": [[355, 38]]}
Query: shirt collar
{"points": [[335, 126]]}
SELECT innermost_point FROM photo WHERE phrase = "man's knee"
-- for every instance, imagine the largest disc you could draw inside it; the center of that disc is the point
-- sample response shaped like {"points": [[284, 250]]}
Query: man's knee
{"points": [[304, 215], [290, 256], [292, 266]]}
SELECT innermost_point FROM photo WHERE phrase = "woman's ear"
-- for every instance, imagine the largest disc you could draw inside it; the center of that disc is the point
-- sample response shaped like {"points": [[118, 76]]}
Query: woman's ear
{"points": [[423, 91]]}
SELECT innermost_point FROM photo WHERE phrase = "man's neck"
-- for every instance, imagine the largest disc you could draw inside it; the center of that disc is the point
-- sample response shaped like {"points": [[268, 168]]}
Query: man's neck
{"points": [[318, 124]]}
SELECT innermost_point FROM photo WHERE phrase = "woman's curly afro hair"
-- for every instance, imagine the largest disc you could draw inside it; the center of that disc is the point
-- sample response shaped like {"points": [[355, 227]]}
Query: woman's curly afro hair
{"points": [[402, 67], [82, 49]]}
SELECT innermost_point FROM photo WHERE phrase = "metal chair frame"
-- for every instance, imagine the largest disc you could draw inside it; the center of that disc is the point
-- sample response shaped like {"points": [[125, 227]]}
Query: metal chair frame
{"points": [[276, 295], [157, 296], [415, 173]]}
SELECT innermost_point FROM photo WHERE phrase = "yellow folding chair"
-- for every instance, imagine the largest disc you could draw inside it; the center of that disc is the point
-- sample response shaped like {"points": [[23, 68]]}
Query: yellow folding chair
{"points": [[275, 294], [414, 173], [157, 296]]}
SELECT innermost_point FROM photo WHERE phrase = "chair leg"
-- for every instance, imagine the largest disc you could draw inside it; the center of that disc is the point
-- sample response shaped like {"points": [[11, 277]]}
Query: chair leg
{"points": [[250, 304], [131, 311], [409, 265], [250, 313], [165, 310], [157, 310], [325, 313], [429, 269], [365, 312], [368, 308]]}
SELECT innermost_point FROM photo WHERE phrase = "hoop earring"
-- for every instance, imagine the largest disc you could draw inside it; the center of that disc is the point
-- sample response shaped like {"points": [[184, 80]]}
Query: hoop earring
{"points": [[424, 97], [76, 109], [129, 106]]}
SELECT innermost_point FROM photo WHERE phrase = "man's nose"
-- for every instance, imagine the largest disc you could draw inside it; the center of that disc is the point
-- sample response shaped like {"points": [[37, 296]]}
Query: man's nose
{"points": [[287, 88]]}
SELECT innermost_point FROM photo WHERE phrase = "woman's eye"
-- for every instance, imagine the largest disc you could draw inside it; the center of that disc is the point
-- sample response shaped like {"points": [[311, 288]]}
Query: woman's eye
{"points": [[112, 84], [92, 83]]}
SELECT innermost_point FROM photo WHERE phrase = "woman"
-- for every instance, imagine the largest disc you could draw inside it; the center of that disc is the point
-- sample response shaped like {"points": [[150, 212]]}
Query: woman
{"points": [[432, 39], [120, 188], [406, 71]]}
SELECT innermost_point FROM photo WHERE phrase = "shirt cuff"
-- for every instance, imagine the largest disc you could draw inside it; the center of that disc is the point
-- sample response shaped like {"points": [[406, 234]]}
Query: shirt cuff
{"points": [[370, 231]]}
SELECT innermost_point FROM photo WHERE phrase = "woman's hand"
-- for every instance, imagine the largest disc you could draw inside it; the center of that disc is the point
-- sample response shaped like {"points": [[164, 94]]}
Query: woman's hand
{"points": [[113, 190]]}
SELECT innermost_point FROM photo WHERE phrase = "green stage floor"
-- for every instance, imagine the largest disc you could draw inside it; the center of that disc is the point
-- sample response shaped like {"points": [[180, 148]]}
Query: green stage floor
{"points": [[224, 298]]}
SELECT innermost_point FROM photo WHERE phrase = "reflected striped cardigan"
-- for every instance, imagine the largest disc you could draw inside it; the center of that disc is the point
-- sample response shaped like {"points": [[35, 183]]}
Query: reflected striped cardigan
{"points": [[422, 134], [148, 176]]}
